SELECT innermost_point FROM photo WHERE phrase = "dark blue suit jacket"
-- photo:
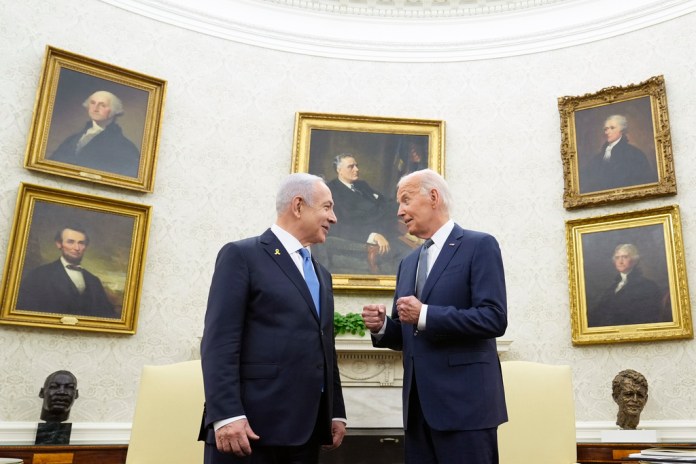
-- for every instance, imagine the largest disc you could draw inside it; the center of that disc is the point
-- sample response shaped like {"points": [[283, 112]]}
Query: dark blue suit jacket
{"points": [[265, 353], [454, 360]]}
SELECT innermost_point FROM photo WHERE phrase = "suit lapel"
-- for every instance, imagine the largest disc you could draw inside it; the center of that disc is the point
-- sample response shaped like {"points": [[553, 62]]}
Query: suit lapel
{"points": [[279, 255], [448, 251]]}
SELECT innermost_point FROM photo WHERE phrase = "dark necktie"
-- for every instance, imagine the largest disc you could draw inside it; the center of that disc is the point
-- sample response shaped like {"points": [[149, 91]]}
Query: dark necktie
{"points": [[73, 267], [422, 273], [310, 277]]}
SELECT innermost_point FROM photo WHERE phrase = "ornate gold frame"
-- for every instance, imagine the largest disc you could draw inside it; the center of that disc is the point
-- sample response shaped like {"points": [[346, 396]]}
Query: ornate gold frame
{"points": [[39, 213], [590, 244], [148, 93], [351, 126], [608, 101]]}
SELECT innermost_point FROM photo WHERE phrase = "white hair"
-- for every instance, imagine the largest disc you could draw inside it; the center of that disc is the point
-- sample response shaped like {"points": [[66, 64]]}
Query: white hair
{"points": [[621, 120], [116, 105], [430, 180], [630, 248]]}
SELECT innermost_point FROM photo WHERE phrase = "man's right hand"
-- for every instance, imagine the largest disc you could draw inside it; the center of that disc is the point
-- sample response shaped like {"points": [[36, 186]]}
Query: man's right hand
{"points": [[234, 438], [373, 316]]}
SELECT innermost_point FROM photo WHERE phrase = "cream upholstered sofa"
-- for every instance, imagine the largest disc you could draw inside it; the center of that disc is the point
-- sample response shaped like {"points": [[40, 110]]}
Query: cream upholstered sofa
{"points": [[168, 415], [541, 412]]}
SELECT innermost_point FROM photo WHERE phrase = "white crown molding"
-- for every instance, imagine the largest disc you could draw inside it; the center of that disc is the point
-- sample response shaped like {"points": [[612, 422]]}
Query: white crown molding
{"points": [[393, 39]]}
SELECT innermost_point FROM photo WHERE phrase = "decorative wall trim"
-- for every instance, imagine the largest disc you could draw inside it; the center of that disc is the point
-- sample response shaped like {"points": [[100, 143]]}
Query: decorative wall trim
{"points": [[118, 433], [83, 433], [362, 365], [407, 39]]}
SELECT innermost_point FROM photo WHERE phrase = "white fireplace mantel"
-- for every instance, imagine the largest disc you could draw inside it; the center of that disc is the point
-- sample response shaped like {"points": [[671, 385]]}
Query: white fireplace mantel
{"points": [[362, 365]]}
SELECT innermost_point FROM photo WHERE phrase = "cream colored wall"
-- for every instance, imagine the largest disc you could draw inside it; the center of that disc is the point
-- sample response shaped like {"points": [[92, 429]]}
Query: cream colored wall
{"points": [[226, 143]]}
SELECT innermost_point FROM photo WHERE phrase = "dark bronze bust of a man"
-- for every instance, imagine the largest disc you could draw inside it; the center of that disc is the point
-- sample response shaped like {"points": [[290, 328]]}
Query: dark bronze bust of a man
{"points": [[630, 391], [59, 392]]}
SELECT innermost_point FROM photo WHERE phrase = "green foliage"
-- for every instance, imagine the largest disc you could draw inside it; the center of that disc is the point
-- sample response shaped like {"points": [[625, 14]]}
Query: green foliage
{"points": [[350, 323]]}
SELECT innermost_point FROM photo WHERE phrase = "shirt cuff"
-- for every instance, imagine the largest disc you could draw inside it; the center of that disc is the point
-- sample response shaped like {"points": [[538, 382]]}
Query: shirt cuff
{"points": [[223, 422], [423, 316]]}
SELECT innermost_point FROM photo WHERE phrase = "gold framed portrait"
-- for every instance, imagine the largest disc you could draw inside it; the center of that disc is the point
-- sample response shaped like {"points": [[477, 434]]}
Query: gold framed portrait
{"points": [[96, 122], [74, 261], [616, 145], [627, 277], [365, 246]]}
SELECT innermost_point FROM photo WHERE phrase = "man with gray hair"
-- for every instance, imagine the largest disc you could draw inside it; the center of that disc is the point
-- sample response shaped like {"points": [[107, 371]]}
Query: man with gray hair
{"points": [[618, 164], [272, 387], [101, 144], [631, 298]]}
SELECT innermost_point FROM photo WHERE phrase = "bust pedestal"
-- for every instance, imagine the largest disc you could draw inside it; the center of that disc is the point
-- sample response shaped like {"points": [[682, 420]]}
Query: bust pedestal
{"points": [[629, 436], [53, 433]]}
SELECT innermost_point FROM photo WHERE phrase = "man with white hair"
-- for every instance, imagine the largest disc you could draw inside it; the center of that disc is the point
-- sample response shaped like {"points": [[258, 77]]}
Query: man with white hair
{"points": [[449, 306], [101, 144], [618, 164], [631, 298]]}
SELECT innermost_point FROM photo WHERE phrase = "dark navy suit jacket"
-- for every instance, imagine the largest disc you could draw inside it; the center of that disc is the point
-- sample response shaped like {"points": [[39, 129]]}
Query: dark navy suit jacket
{"points": [[265, 353], [454, 360]]}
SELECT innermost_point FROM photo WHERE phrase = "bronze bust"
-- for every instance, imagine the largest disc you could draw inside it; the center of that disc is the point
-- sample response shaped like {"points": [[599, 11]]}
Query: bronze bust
{"points": [[630, 392], [59, 392]]}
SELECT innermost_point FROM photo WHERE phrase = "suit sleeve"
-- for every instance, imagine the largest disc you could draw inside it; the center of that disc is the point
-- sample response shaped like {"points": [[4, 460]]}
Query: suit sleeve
{"points": [[486, 316], [222, 335]]}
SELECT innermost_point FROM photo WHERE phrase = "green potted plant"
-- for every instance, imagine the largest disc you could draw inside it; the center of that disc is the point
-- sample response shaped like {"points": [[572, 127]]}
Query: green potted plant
{"points": [[349, 323]]}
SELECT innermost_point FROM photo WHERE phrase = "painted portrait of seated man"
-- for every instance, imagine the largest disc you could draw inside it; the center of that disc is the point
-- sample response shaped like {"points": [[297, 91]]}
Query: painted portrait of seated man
{"points": [[366, 216]]}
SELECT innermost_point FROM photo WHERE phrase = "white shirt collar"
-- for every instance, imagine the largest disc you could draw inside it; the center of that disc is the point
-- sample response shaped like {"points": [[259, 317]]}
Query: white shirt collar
{"points": [[289, 242], [442, 233], [66, 263]]}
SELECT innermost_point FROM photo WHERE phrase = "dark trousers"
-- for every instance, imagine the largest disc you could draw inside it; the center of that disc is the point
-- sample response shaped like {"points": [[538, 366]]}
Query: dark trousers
{"points": [[424, 445], [302, 454]]}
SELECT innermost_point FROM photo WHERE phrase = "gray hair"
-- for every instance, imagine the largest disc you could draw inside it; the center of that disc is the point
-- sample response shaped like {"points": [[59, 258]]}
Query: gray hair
{"points": [[337, 160], [621, 120], [299, 184], [116, 105], [630, 248], [430, 180]]}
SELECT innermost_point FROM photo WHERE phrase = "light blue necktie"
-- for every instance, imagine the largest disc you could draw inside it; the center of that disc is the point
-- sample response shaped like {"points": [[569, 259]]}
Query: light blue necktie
{"points": [[310, 277]]}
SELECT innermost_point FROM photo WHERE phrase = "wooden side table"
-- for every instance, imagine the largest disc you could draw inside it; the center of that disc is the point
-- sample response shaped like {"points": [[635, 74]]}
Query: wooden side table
{"points": [[66, 454], [594, 453]]}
